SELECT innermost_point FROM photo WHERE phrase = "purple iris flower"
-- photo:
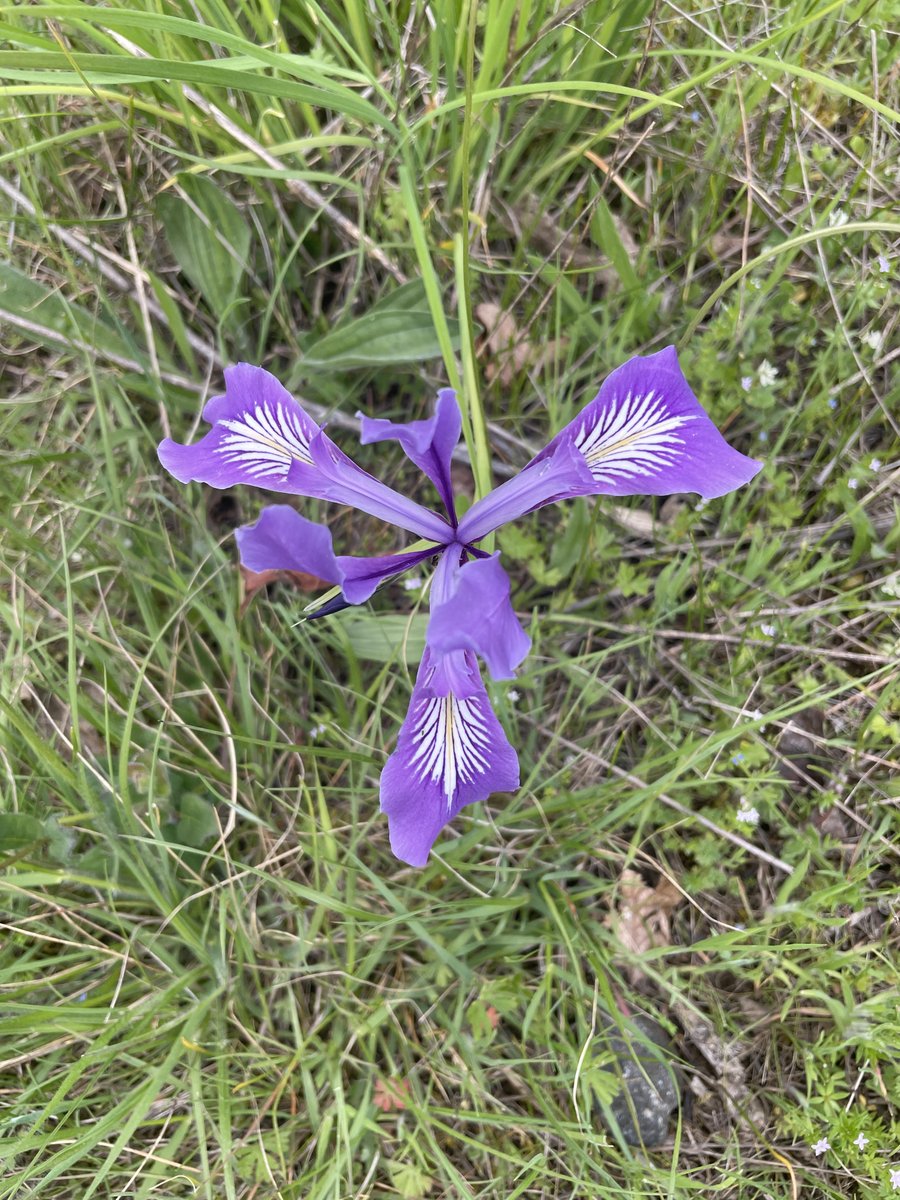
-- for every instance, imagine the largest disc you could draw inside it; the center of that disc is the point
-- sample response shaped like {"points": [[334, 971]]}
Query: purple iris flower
{"points": [[644, 433]]}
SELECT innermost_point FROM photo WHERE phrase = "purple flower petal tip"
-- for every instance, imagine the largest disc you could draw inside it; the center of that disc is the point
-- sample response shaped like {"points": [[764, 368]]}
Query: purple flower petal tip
{"points": [[283, 540], [451, 752], [259, 431]]}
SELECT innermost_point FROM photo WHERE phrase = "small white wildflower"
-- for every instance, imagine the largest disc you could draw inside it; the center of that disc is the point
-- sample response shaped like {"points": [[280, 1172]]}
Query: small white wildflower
{"points": [[746, 382], [891, 586], [737, 758], [832, 402], [767, 373], [860, 1141], [512, 696], [763, 436], [837, 217], [895, 1180], [317, 731], [875, 464], [700, 505], [873, 338], [821, 1146], [884, 265], [413, 583], [852, 484], [76, 557], [746, 814], [767, 630]]}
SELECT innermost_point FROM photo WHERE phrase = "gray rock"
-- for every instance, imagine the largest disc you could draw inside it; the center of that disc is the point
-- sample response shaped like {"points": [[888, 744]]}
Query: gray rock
{"points": [[650, 1085]]}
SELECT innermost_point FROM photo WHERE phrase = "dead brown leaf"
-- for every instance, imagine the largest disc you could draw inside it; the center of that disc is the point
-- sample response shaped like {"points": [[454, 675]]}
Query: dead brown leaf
{"points": [[642, 918], [258, 581], [508, 352]]}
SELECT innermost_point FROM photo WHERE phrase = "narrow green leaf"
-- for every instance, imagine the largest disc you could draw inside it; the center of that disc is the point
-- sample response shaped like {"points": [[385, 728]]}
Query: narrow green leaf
{"points": [[605, 235]]}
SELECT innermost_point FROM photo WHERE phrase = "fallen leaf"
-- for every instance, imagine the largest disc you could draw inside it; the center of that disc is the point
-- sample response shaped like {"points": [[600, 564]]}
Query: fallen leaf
{"points": [[258, 581], [508, 351], [641, 920], [391, 1094]]}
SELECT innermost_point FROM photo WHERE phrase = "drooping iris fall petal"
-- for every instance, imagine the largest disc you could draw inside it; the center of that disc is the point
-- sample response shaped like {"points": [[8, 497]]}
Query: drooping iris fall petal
{"points": [[451, 751], [261, 436], [645, 433]]}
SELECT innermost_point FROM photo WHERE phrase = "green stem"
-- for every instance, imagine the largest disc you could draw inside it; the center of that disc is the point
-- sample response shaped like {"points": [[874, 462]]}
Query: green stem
{"points": [[476, 433]]}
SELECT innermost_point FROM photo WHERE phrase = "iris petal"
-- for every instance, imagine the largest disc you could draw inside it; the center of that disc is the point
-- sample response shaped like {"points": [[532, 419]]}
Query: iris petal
{"points": [[429, 443], [283, 540], [479, 616], [645, 433], [452, 751], [558, 476], [262, 436]]}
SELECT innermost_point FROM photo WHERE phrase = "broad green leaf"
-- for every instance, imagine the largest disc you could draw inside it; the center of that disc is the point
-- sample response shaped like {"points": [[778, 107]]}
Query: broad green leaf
{"points": [[408, 296], [388, 637], [18, 830], [383, 336], [208, 236]]}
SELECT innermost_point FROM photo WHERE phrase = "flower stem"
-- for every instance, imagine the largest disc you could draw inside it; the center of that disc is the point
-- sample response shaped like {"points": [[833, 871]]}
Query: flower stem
{"points": [[476, 426]]}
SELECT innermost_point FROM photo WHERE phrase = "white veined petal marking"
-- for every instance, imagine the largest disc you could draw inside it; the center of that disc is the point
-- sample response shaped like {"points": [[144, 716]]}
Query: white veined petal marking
{"points": [[453, 742], [264, 441], [634, 436]]}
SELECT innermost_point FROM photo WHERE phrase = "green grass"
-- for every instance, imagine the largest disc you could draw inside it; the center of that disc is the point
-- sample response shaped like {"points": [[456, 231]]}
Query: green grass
{"points": [[210, 966]]}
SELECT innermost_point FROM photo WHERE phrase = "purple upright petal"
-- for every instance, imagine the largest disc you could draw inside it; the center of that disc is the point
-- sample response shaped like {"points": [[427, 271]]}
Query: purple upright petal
{"points": [[260, 435], [283, 540], [479, 616], [429, 443], [645, 433], [558, 476], [452, 751]]}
